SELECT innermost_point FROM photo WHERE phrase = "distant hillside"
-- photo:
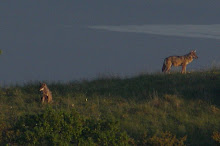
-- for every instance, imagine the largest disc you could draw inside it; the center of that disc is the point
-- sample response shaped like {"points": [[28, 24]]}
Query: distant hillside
{"points": [[149, 109], [196, 85]]}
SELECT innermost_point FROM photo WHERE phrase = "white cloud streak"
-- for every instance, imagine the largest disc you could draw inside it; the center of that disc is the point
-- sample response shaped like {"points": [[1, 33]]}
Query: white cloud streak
{"points": [[194, 31]]}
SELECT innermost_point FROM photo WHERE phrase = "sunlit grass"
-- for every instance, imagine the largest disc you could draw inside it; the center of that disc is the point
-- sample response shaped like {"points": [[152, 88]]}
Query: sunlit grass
{"points": [[148, 103]]}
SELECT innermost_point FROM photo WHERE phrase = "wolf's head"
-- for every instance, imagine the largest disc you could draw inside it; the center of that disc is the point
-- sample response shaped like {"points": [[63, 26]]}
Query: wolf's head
{"points": [[42, 87], [193, 54]]}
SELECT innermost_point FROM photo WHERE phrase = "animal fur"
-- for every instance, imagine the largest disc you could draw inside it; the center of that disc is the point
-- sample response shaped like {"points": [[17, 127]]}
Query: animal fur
{"points": [[178, 61], [46, 94]]}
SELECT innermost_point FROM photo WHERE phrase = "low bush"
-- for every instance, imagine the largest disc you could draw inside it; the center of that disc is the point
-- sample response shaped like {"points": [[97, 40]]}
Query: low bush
{"points": [[216, 137], [54, 127], [164, 138]]}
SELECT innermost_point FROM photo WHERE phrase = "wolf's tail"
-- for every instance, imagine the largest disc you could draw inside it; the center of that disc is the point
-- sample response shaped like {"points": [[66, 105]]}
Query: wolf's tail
{"points": [[164, 66]]}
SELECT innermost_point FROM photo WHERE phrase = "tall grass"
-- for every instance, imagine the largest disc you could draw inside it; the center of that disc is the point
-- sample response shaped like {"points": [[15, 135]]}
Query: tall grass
{"points": [[145, 106]]}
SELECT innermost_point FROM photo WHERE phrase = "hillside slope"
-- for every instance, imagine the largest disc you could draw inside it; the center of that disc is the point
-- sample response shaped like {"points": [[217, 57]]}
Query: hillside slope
{"points": [[145, 106]]}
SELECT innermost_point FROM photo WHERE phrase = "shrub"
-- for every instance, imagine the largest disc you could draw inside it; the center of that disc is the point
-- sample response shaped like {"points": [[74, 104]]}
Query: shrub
{"points": [[49, 128], [216, 137], [54, 127], [165, 138], [104, 132], [3, 126]]}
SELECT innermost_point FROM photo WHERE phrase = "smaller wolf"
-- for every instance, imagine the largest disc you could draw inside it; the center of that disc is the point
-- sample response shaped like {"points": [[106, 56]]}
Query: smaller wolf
{"points": [[46, 94], [178, 61]]}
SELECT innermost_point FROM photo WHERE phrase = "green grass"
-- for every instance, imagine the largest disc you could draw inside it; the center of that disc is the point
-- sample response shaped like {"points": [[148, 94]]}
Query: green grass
{"points": [[148, 104]]}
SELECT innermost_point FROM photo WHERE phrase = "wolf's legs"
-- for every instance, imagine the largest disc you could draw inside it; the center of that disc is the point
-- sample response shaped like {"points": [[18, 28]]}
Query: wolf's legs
{"points": [[183, 69], [42, 99], [46, 99], [168, 67], [49, 98]]}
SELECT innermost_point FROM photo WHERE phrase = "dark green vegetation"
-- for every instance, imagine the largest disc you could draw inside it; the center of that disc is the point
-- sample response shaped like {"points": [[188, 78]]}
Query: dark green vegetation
{"points": [[146, 109]]}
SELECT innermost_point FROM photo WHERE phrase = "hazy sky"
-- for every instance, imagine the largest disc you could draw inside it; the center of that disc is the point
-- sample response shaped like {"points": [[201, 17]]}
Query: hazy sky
{"points": [[83, 39]]}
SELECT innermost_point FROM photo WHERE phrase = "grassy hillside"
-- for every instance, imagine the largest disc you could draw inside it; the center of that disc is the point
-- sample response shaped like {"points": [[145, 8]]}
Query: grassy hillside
{"points": [[147, 106]]}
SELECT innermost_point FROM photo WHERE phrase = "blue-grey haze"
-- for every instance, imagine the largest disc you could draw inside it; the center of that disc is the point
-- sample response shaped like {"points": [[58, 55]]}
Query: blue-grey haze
{"points": [[194, 31], [67, 40]]}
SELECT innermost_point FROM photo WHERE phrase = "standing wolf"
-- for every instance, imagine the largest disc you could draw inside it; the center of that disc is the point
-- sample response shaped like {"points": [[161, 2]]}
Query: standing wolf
{"points": [[178, 61], [46, 94]]}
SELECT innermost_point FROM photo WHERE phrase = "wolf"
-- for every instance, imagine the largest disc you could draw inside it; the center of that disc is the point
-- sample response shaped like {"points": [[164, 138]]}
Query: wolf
{"points": [[178, 61], [46, 94]]}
